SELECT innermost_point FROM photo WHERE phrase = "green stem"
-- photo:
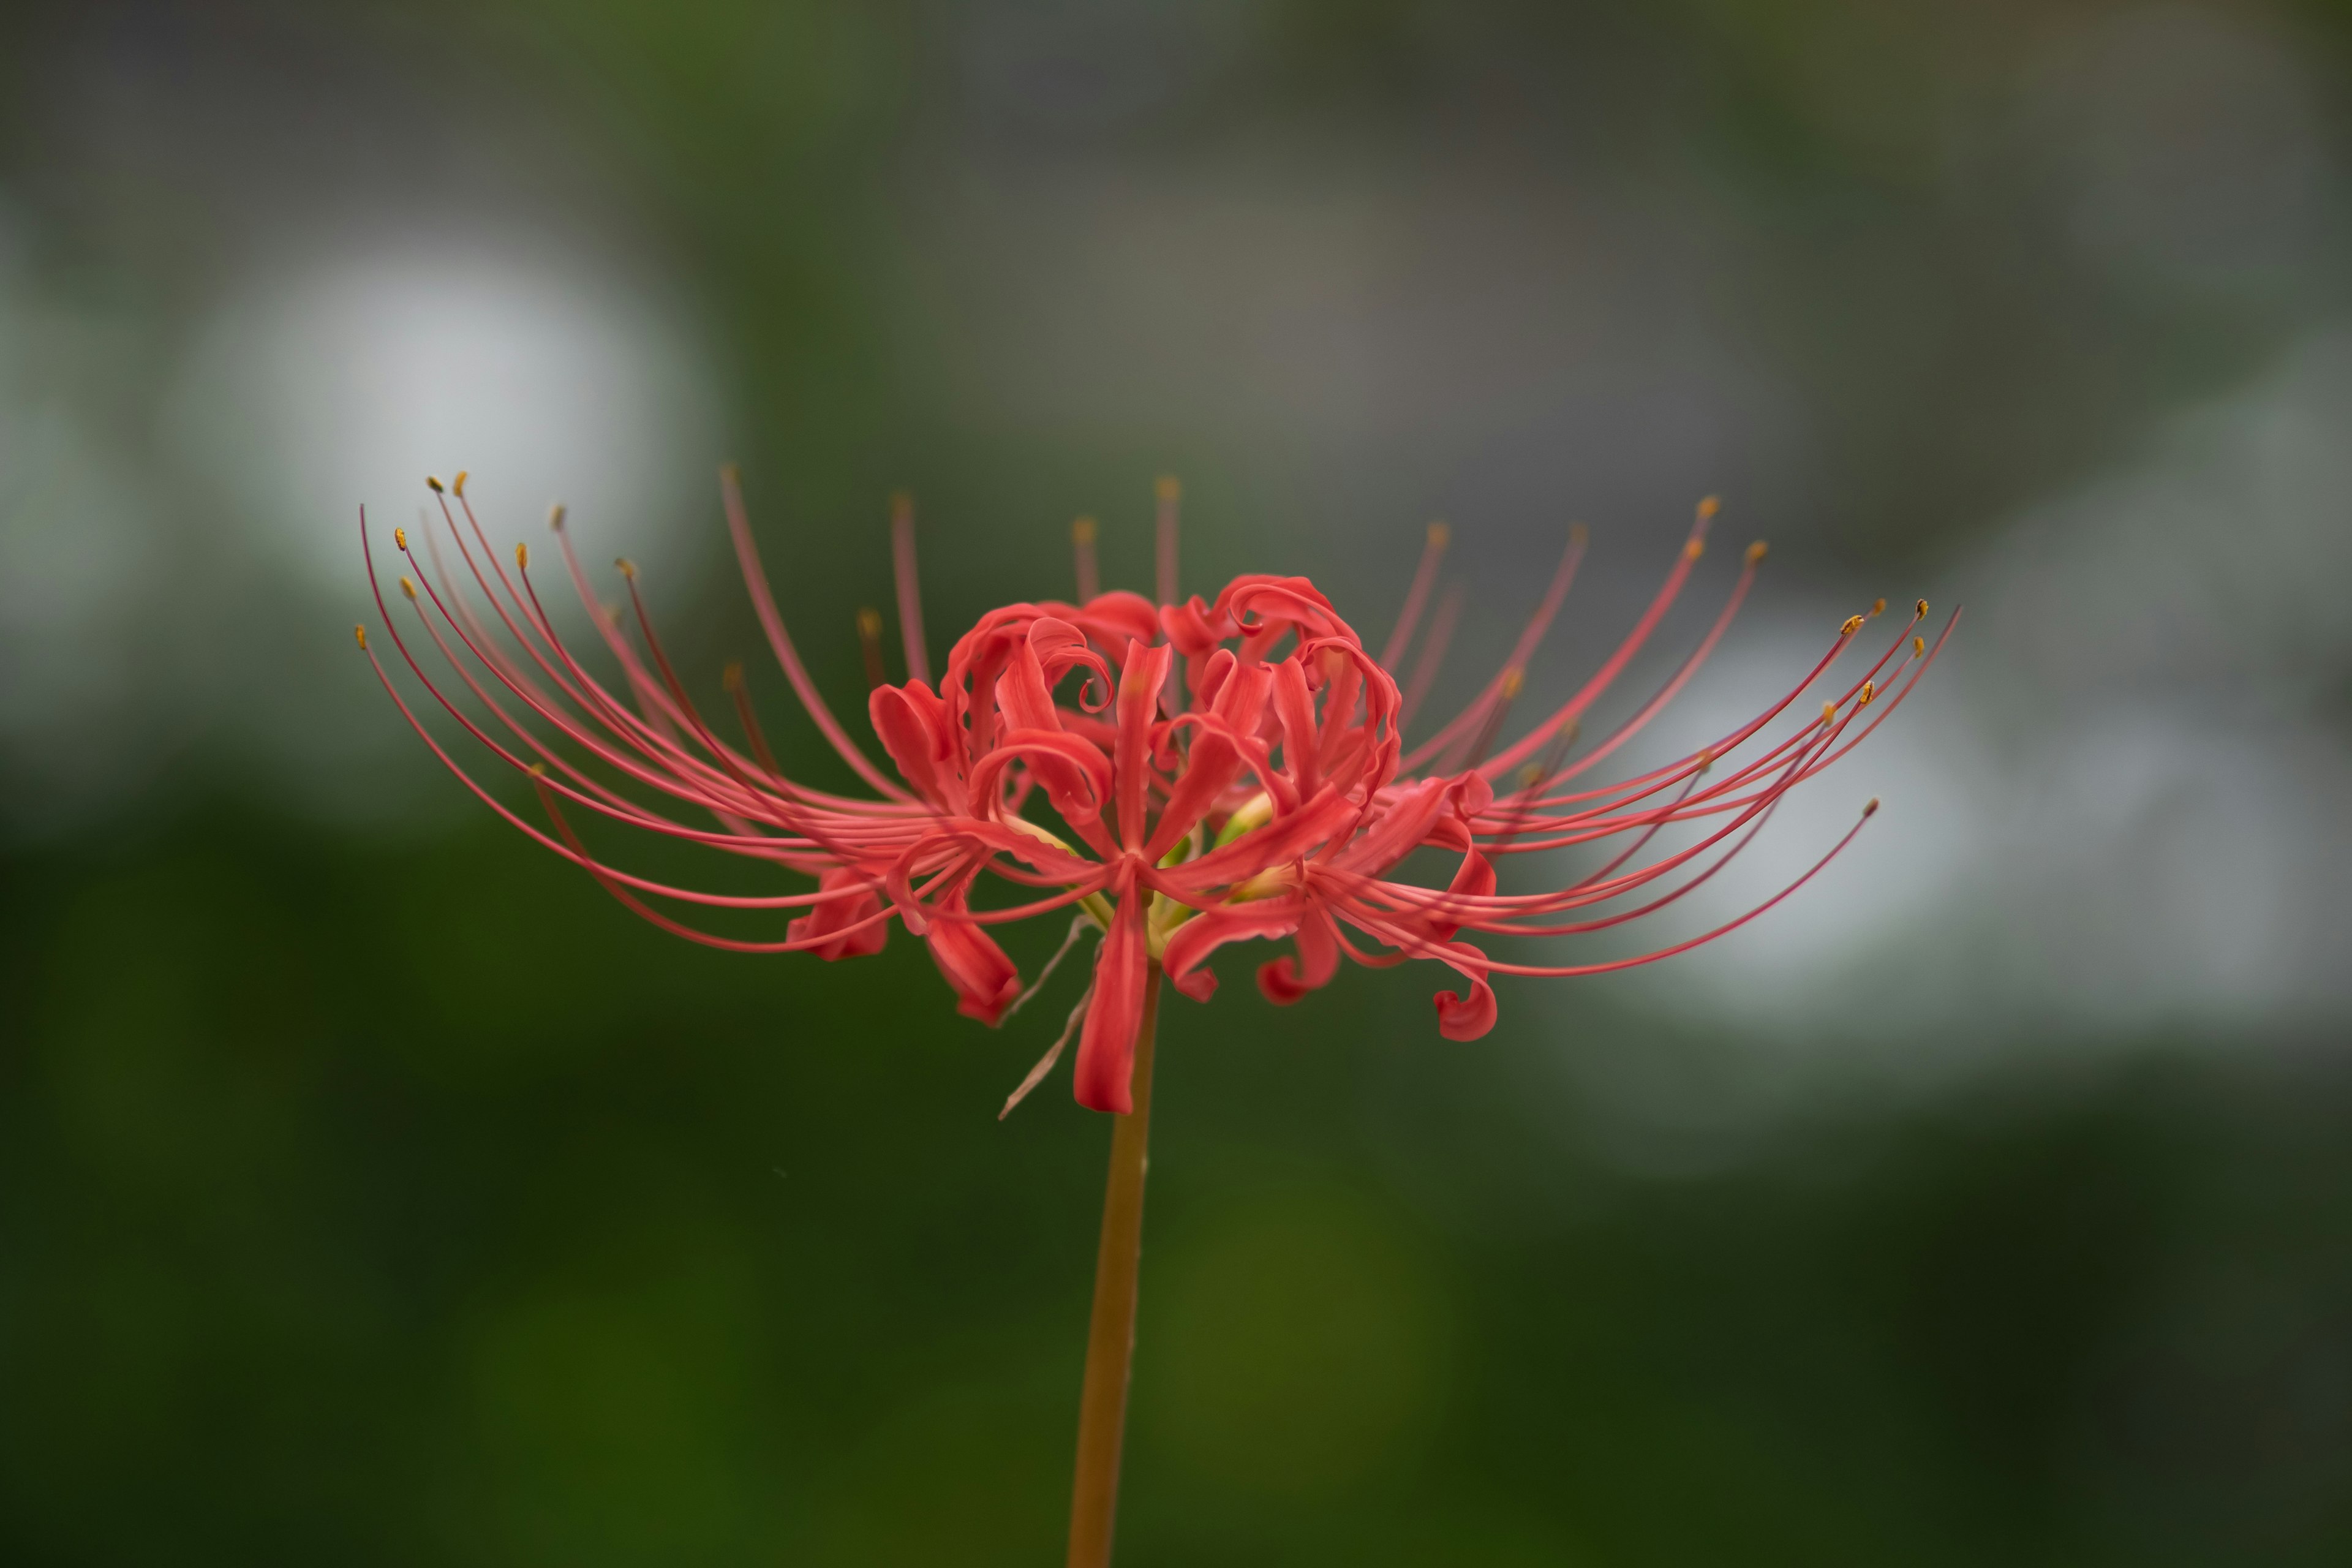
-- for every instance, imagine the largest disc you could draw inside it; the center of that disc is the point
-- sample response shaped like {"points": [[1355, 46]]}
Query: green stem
{"points": [[1110, 1338]]}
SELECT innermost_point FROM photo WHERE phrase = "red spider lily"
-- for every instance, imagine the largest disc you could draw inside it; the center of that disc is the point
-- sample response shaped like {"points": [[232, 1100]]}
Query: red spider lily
{"points": [[1263, 788]]}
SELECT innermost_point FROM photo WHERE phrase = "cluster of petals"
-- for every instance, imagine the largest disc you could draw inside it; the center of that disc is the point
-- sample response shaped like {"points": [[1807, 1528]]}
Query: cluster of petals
{"points": [[1181, 774]]}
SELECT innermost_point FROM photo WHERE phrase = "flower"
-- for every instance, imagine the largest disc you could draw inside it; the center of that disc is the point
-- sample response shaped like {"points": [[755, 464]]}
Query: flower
{"points": [[1220, 771]]}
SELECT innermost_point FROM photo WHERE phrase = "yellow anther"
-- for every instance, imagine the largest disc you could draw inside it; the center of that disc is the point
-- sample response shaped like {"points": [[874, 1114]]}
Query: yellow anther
{"points": [[1267, 884], [433, 484], [1083, 530], [869, 623], [1254, 812], [1514, 680], [1705, 759], [1852, 625], [361, 633], [522, 556], [627, 567], [537, 770], [731, 678], [1440, 534], [1921, 608], [1869, 690], [555, 516], [1530, 776], [1708, 506], [1169, 487], [458, 484], [1918, 648], [1694, 548], [1871, 808], [1878, 606], [1756, 551], [400, 538], [407, 587], [1829, 712]]}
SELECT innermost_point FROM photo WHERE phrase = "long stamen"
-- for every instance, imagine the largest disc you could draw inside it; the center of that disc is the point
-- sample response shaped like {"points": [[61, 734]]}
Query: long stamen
{"points": [[731, 678], [1515, 680], [788, 901], [1169, 493], [477, 642], [702, 730], [1803, 756], [1694, 546], [1625, 791], [1423, 578], [1602, 888], [1565, 971], [1503, 915], [618, 888], [1531, 784], [869, 643], [910, 593], [1433, 654], [763, 604], [1473, 718], [1642, 843], [1690, 667], [1081, 545]]}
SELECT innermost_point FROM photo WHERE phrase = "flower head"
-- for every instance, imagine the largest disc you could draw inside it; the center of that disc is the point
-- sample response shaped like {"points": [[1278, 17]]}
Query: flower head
{"points": [[1183, 774]]}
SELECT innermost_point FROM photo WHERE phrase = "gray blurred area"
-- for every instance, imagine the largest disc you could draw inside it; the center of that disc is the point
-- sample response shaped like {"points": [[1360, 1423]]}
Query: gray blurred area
{"points": [[2038, 308]]}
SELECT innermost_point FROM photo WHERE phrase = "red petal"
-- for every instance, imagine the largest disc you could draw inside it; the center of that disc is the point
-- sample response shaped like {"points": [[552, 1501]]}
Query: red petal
{"points": [[913, 726], [1106, 1050], [1466, 1018], [1284, 982], [1475, 878], [857, 901], [1111, 617], [1295, 705], [1276, 984], [1202, 935], [985, 981], [1139, 704], [1193, 627]]}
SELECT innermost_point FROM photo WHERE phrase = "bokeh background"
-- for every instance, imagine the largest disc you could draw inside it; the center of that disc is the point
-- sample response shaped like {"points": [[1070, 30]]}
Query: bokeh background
{"points": [[374, 1190]]}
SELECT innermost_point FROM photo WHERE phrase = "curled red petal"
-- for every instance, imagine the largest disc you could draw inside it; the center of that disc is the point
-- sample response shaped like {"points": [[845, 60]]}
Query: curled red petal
{"points": [[913, 724], [1194, 628], [1202, 935], [1466, 1018], [1111, 618], [1285, 981], [984, 980], [1278, 983], [847, 914], [1474, 879]]}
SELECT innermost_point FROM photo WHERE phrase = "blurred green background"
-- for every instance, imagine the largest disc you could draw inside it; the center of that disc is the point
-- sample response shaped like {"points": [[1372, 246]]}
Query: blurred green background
{"points": [[373, 1189]]}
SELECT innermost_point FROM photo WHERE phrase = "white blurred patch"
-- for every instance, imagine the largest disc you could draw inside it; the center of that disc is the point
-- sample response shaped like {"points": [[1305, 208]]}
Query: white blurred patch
{"points": [[350, 380], [2121, 801], [179, 550]]}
